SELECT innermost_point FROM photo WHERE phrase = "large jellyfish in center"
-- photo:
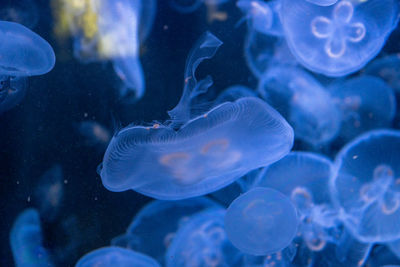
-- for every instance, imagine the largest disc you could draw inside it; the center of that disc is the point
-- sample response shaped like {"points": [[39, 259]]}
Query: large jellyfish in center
{"points": [[195, 154], [338, 39]]}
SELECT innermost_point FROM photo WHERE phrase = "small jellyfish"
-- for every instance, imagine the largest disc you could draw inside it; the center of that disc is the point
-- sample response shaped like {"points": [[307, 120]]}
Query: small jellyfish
{"points": [[24, 52], [196, 154], [304, 177], [339, 39], [26, 239], [365, 103], [261, 221], [49, 193], [202, 241], [115, 256], [386, 68], [94, 133], [154, 226], [365, 186], [303, 101], [262, 17]]}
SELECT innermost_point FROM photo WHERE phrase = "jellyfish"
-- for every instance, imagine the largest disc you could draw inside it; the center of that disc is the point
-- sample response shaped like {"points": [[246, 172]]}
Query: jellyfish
{"points": [[304, 177], [365, 186], [365, 103], [386, 68], [26, 240], [111, 30], [261, 221], [24, 54], [202, 241], [115, 256], [94, 133], [49, 193], [339, 39], [303, 101], [262, 17], [196, 154], [155, 225]]}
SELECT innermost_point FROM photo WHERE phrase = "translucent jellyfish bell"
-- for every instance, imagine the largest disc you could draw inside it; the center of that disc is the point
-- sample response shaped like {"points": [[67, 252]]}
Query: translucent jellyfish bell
{"points": [[24, 53], [298, 170], [365, 186], [115, 256], [365, 103], [195, 156], [202, 241], [261, 221], [26, 240], [339, 39], [234, 93], [303, 101], [147, 235]]}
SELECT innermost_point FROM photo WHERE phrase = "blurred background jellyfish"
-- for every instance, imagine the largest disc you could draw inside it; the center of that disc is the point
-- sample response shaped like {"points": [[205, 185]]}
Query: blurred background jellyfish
{"points": [[388, 69], [339, 39], [365, 186], [303, 101], [154, 226], [115, 256], [304, 178], [111, 30], [24, 53], [261, 221], [365, 103], [49, 193], [262, 17], [26, 239], [94, 134], [196, 154], [202, 241]]}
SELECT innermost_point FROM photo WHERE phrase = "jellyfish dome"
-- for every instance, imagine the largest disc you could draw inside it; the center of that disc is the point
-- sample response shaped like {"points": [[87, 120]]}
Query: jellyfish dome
{"points": [[115, 256], [339, 39], [26, 240], [261, 221], [196, 155], [365, 186], [322, 2], [24, 53], [365, 102], [202, 241], [154, 226], [303, 101]]}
